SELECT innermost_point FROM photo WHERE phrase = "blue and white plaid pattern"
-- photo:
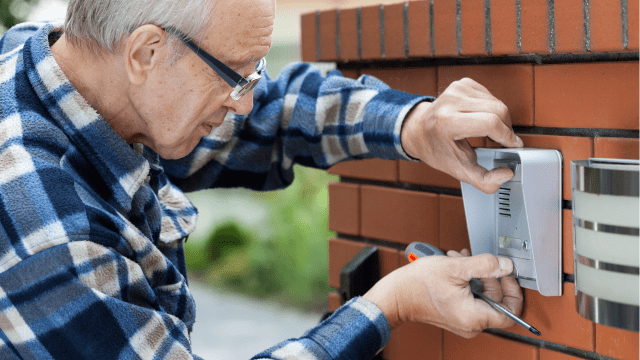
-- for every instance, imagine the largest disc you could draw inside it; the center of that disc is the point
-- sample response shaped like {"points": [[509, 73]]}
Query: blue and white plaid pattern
{"points": [[91, 258]]}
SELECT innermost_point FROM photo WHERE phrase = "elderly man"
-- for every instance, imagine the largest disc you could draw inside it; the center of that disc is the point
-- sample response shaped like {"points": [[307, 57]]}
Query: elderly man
{"points": [[105, 121]]}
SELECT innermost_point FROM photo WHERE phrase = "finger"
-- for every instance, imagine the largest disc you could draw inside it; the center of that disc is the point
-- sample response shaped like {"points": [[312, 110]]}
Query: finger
{"points": [[453, 253], [476, 86], [495, 126], [492, 288], [484, 266], [484, 180], [491, 317], [482, 105], [463, 253], [512, 297]]}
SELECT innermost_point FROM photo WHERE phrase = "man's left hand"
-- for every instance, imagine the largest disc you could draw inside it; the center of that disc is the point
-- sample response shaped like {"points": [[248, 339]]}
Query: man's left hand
{"points": [[435, 133]]}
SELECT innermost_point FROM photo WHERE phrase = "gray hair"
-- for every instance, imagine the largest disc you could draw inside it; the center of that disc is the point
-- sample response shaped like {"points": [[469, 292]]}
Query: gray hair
{"points": [[106, 22]]}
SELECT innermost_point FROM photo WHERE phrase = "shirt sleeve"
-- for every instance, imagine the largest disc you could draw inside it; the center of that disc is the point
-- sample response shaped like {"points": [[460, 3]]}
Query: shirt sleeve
{"points": [[358, 330], [301, 117]]}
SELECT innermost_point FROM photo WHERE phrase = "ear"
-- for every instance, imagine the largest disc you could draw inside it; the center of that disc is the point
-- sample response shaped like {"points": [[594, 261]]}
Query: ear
{"points": [[145, 48]]}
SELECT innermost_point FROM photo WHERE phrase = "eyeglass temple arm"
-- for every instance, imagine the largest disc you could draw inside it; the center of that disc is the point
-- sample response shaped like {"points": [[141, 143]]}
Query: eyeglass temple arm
{"points": [[229, 75]]}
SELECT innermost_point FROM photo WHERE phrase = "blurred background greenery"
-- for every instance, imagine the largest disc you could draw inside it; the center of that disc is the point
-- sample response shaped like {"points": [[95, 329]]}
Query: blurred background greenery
{"points": [[270, 245], [15, 11]]}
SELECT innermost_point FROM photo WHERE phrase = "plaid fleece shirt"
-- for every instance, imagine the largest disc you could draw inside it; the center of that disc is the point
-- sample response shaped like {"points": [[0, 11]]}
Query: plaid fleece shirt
{"points": [[91, 228]]}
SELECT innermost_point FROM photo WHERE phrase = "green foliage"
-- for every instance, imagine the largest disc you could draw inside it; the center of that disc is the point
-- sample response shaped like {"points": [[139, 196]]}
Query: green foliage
{"points": [[13, 12], [290, 266], [224, 239]]}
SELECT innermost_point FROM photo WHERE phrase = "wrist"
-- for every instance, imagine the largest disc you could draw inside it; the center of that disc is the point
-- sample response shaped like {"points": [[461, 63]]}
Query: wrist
{"points": [[410, 127], [384, 298]]}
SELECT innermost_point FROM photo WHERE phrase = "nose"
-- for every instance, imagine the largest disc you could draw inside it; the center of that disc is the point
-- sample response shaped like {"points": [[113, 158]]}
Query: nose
{"points": [[241, 106]]}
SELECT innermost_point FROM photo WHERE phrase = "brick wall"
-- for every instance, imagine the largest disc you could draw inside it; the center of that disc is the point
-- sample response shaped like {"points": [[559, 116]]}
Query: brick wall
{"points": [[567, 70]]}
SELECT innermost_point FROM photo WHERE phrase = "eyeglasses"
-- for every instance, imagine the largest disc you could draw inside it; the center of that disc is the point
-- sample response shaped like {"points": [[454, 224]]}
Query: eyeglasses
{"points": [[241, 85]]}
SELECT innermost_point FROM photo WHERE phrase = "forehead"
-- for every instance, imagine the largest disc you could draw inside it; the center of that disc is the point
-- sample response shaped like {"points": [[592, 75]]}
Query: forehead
{"points": [[241, 30]]}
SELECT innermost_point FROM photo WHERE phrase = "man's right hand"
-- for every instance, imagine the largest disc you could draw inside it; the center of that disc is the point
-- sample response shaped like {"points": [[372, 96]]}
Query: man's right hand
{"points": [[435, 290]]}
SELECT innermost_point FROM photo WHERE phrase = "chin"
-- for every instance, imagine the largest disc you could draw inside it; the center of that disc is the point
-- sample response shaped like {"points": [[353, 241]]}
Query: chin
{"points": [[177, 152]]}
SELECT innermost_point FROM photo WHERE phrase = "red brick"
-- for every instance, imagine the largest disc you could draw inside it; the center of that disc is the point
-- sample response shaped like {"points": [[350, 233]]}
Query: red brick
{"points": [[419, 29], [616, 148], [504, 36], [394, 31], [308, 37], [344, 208], [572, 148], [399, 215], [632, 24], [453, 224], [328, 35], [605, 23], [374, 169], [414, 341], [567, 241], [402, 259], [444, 28], [353, 74], [485, 346], [593, 95], [422, 174], [473, 27], [616, 343], [512, 84], [557, 319], [569, 26], [422, 81], [348, 35], [334, 301], [546, 354], [534, 22], [370, 16], [342, 251], [477, 142], [492, 144]]}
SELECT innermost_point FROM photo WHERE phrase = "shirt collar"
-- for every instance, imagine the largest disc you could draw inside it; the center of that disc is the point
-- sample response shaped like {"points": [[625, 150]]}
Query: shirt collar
{"points": [[123, 168]]}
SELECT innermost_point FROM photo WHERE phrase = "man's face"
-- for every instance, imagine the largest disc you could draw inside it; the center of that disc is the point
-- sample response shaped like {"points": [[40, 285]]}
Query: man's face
{"points": [[186, 99]]}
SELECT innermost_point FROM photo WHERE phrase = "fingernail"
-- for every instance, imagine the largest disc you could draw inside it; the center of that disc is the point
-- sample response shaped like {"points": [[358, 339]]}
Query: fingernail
{"points": [[520, 142], [504, 179], [505, 264]]}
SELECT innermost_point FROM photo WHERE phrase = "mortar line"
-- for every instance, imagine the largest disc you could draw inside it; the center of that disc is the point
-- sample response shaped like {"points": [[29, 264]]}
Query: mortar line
{"points": [[584, 354], [318, 35], [518, 26], [338, 52], [405, 23], [459, 25], [403, 186], [552, 26], [538, 59], [359, 30], [625, 23], [381, 15], [431, 29], [487, 26], [587, 26]]}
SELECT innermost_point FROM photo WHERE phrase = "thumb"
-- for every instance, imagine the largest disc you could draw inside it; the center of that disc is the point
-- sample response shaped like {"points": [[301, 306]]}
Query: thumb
{"points": [[486, 266], [488, 181]]}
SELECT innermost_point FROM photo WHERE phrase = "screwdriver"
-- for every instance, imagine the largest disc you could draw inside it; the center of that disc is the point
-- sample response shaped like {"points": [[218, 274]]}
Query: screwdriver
{"points": [[418, 249]]}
